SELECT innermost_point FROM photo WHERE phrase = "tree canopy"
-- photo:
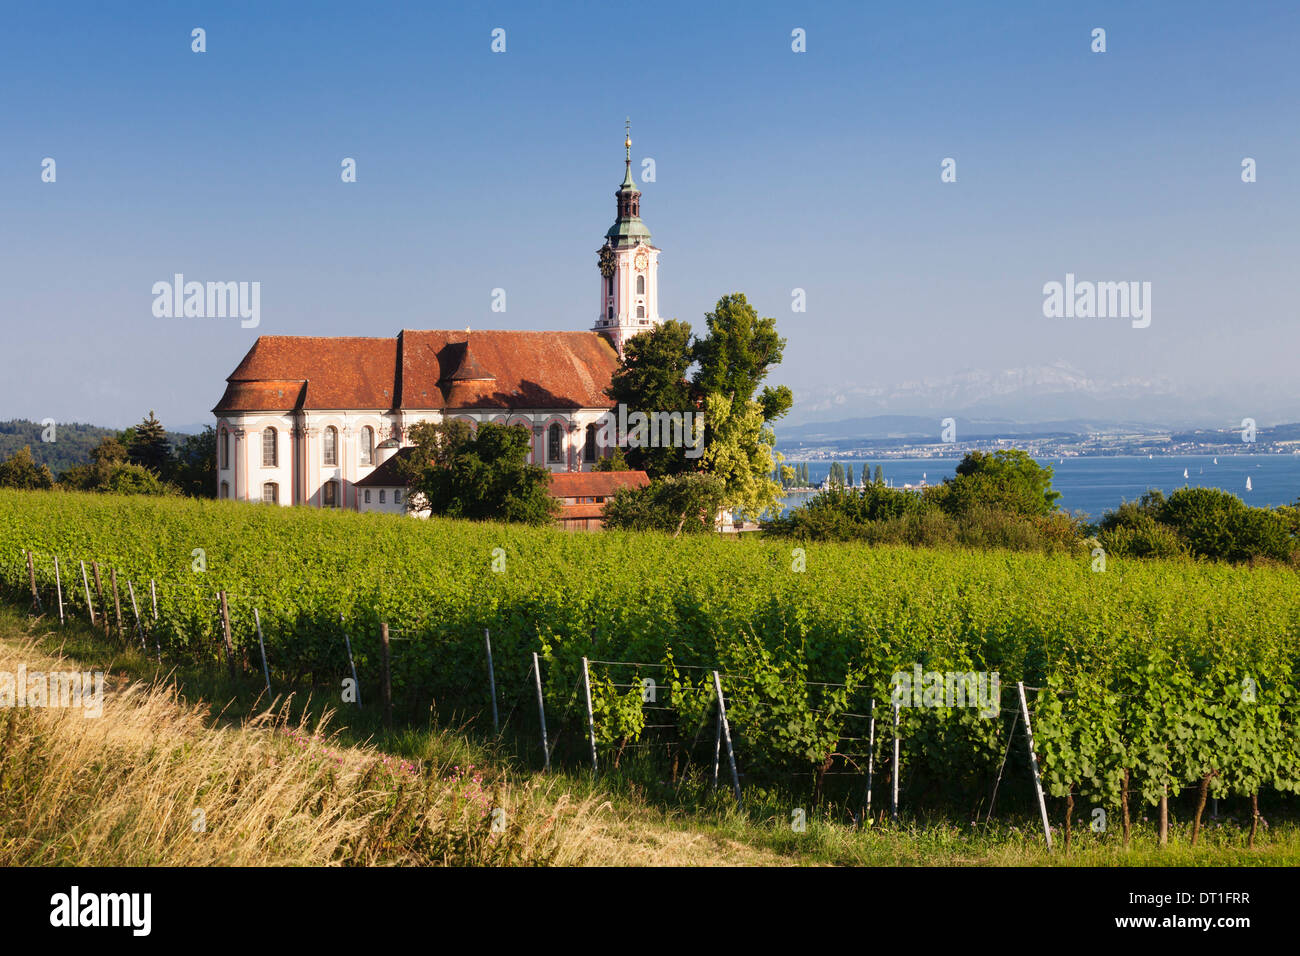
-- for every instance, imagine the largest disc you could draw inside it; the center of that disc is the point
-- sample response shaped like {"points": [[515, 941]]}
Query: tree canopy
{"points": [[482, 474]]}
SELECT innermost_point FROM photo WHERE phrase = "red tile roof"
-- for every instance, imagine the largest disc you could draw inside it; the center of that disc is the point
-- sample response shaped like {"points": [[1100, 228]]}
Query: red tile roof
{"points": [[426, 370], [574, 512], [586, 484]]}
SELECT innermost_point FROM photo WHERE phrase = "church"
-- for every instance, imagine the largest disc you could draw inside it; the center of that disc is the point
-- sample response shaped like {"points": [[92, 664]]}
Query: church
{"points": [[307, 419]]}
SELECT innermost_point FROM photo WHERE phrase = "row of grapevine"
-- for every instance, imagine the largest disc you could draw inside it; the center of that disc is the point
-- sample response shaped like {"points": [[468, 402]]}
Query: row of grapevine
{"points": [[1154, 675]]}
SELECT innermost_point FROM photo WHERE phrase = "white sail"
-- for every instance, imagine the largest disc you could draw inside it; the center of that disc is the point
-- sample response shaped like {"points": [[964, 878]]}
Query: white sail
{"points": [[1248, 483]]}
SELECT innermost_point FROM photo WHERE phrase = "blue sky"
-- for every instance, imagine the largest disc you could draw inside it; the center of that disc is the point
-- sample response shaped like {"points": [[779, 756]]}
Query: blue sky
{"points": [[775, 170]]}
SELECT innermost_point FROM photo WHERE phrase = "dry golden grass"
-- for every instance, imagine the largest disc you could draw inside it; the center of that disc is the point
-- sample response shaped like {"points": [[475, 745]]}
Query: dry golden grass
{"points": [[151, 782]]}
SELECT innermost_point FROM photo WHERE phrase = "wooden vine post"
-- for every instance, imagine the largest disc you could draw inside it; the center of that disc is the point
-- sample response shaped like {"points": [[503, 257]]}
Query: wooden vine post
{"points": [[31, 575], [262, 644], [871, 757], [1033, 760], [388, 676], [726, 736], [347, 642], [135, 610], [117, 601], [541, 713], [85, 583], [58, 588], [99, 592], [591, 720], [893, 770], [225, 631], [492, 682]]}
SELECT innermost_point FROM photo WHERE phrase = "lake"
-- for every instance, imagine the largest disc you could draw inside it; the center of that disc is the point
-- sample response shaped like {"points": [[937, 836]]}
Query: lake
{"points": [[1097, 485]]}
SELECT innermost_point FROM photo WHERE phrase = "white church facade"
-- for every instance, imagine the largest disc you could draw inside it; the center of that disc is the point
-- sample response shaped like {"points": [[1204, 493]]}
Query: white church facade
{"points": [[304, 419]]}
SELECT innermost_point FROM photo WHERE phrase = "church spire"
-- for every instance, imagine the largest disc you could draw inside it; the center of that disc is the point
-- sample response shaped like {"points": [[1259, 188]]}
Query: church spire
{"points": [[628, 229], [628, 181], [629, 265]]}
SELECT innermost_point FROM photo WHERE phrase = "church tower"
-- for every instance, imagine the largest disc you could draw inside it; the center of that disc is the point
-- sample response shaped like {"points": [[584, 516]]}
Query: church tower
{"points": [[629, 267]]}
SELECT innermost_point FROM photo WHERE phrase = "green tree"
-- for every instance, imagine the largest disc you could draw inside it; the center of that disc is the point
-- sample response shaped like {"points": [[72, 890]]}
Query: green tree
{"points": [[740, 454], [734, 359], [482, 475], [676, 504], [21, 471], [848, 480], [129, 479], [614, 462], [148, 446], [736, 355], [652, 378], [195, 467], [1007, 480], [879, 477]]}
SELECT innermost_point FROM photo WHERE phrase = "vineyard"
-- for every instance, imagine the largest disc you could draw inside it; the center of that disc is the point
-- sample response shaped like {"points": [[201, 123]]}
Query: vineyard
{"points": [[1145, 679]]}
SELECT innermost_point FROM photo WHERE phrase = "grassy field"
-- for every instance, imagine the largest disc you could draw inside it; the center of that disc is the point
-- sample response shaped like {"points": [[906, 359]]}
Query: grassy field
{"points": [[291, 782]]}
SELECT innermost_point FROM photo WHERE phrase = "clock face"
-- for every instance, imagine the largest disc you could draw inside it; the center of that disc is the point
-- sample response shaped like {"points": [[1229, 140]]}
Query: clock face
{"points": [[606, 261], [641, 260]]}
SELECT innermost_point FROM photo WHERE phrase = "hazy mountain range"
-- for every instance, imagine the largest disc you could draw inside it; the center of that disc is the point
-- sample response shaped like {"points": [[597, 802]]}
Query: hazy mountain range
{"points": [[1046, 398]]}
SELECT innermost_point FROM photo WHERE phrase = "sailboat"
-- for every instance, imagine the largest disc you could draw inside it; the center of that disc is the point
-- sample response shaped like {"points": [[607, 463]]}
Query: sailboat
{"points": [[1184, 472], [1216, 459], [1248, 483]]}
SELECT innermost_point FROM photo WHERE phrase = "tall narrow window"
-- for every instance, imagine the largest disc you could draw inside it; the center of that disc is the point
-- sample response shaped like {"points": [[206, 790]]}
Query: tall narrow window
{"points": [[330, 494], [270, 493], [555, 443], [225, 489], [589, 448], [381, 495], [640, 285], [330, 452], [640, 311], [225, 450], [609, 286], [269, 450], [367, 445]]}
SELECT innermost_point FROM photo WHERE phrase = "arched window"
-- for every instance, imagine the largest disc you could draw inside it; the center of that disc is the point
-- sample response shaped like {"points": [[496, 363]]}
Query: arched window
{"points": [[225, 489], [555, 443], [329, 496], [589, 448], [225, 450], [640, 285], [367, 446], [382, 492], [270, 493], [269, 450], [330, 446], [609, 313], [640, 311]]}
